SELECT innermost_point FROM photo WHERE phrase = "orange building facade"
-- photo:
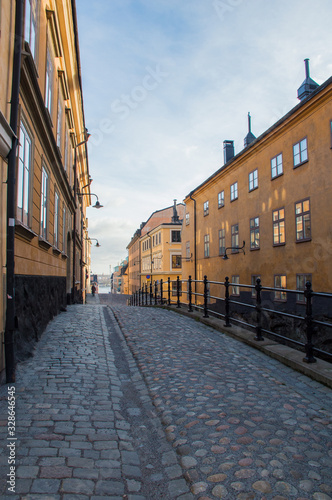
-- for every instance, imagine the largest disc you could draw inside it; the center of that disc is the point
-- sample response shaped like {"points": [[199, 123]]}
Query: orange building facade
{"points": [[275, 197]]}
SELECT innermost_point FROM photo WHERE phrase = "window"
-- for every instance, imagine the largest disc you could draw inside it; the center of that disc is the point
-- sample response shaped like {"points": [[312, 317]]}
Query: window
{"points": [[222, 241], [23, 176], [253, 180], [276, 166], [331, 132], [221, 199], [176, 261], [64, 230], [206, 208], [30, 25], [280, 282], [301, 280], [56, 220], [187, 219], [59, 122], [187, 249], [49, 83], [207, 245], [300, 152], [302, 220], [176, 236], [254, 278], [44, 204], [234, 191], [278, 217], [254, 233], [235, 237], [235, 289]]}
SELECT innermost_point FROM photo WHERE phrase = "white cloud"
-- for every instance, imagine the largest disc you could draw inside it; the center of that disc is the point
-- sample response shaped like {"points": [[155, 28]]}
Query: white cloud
{"points": [[216, 66]]}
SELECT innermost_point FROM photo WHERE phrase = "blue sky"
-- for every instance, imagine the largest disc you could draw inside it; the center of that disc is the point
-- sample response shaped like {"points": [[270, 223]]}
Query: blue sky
{"points": [[165, 82]]}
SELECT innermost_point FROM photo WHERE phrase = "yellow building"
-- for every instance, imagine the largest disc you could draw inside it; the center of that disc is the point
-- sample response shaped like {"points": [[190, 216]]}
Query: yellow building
{"points": [[276, 197], [160, 242], [134, 263], [51, 189]]}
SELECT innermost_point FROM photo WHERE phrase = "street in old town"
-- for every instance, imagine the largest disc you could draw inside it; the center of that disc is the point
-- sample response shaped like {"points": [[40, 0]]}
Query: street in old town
{"points": [[122, 402]]}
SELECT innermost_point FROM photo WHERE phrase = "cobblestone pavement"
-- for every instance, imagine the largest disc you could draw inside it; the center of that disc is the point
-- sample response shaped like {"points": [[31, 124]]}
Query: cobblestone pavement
{"points": [[167, 408], [244, 426]]}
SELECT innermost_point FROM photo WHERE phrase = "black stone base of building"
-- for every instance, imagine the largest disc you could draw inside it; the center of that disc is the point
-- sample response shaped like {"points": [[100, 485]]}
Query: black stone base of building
{"points": [[37, 300]]}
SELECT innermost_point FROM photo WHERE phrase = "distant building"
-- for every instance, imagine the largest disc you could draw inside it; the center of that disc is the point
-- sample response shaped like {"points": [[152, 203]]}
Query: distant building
{"points": [[276, 197], [155, 249], [120, 278]]}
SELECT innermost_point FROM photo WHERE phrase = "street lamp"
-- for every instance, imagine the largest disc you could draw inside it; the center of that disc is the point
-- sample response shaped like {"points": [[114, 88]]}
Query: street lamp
{"points": [[90, 239], [225, 257], [97, 204]]}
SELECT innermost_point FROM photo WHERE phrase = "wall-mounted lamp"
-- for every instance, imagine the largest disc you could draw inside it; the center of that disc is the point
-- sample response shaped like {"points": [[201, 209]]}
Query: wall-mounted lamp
{"points": [[95, 239], [225, 257], [97, 204]]}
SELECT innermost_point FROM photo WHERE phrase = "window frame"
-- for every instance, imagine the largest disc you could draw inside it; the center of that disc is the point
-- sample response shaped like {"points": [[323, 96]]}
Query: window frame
{"points": [[234, 191], [253, 180], [300, 298], [235, 290], [206, 208], [187, 219], [24, 176], [298, 143], [222, 238], [175, 231], [221, 199], [234, 238], [253, 230], [277, 174], [177, 257], [49, 81], [301, 215], [278, 221], [283, 295], [44, 203], [206, 246], [56, 217], [31, 26]]}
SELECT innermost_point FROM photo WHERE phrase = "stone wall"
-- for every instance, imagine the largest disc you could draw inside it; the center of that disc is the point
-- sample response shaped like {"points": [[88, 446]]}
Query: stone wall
{"points": [[37, 300]]}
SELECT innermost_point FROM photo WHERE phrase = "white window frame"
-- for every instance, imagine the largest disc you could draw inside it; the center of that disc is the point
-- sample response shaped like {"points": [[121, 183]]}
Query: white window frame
{"points": [[56, 219], [253, 180], [300, 152], [24, 176], [44, 204], [234, 191], [276, 166], [221, 199]]}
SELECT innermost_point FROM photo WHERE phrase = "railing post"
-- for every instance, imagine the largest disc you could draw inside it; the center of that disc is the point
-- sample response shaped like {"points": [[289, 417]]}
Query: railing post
{"points": [[161, 292], [150, 294], [155, 293], [227, 322], [205, 297], [169, 290], [258, 288], [308, 319], [190, 308], [178, 305]]}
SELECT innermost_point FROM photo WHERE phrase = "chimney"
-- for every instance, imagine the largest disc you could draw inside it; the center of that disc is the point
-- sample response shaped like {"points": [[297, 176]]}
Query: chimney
{"points": [[175, 218], [250, 136], [308, 85], [228, 150]]}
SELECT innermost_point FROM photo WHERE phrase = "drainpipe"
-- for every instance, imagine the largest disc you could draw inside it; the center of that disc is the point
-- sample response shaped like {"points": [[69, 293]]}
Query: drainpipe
{"points": [[11, 185], [195, 242]]}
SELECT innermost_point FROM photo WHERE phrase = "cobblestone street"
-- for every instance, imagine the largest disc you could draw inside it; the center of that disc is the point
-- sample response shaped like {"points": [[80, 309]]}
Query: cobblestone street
{"points": [[162, 408]]}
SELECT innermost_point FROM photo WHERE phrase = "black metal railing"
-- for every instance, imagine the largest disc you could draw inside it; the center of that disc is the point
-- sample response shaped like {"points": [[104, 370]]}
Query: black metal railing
{"points": [[197, 295]]}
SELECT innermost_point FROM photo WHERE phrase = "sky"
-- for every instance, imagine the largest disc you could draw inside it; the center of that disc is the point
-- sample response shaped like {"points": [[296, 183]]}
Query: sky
{"points": [[165, 82]]}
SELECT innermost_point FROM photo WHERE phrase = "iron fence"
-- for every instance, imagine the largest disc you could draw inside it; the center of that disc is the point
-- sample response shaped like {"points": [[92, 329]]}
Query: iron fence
{"points": [[223, 300]]}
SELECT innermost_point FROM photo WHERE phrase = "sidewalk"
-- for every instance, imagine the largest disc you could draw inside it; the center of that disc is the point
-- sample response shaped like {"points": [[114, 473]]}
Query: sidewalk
{"points": [[163, 408]]}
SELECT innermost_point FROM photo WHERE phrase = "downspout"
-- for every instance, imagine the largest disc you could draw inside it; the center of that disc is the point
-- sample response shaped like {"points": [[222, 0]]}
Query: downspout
{"points": [[195, 242], [73, 295], [11, 185]]}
